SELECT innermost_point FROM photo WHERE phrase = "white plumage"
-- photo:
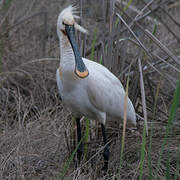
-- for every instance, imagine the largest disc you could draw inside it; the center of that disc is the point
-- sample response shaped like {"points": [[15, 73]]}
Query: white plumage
{"points": [[100, 95], [86, 87]]}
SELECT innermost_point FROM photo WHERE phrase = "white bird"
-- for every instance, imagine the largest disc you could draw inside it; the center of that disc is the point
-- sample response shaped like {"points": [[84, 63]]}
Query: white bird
{"points": [[86, 87]]}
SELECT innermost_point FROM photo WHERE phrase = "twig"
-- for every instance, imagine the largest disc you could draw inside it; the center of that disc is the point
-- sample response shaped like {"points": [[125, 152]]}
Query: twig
{"points": [[44, 34], [164, 23], [138, 42], [156, 56], [175, 4], [153, 38], [98, 44], [143, 95], [38, 60], [134, 9], [172, 18], [7, 14], [145, 7], [160, 45], [24, 20]]}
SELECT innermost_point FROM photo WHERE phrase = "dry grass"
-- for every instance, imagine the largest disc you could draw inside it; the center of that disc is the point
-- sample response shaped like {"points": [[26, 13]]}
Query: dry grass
{"points": [[37, 132]]}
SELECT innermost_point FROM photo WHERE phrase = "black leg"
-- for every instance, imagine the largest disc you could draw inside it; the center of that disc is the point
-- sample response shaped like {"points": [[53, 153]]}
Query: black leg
{"points": [[106, 149], [80, 149]]}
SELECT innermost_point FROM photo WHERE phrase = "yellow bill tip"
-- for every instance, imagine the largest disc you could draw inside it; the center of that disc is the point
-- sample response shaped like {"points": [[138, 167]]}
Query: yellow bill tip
{"points": [[82, 74]]}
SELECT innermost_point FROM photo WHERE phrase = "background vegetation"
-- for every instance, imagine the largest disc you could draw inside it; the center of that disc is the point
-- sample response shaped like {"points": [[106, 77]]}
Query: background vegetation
{"points": [[135, 39]]}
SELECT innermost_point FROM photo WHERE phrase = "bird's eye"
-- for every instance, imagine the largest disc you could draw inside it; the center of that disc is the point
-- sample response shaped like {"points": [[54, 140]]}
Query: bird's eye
{"points": [[63, 23]]}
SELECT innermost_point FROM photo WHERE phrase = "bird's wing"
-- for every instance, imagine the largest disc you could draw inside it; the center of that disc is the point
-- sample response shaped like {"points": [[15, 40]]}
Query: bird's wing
{"points": [[104, 89], [91, 65], [106, 92], [103, 94]]}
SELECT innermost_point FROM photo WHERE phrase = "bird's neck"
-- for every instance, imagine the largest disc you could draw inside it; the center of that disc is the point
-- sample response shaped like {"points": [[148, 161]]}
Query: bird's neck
{"points": [[67, 59]]}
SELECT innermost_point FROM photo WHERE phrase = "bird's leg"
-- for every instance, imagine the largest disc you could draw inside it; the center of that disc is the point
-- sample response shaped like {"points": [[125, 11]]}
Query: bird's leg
{"points": [[106, 149], [80, 148]]}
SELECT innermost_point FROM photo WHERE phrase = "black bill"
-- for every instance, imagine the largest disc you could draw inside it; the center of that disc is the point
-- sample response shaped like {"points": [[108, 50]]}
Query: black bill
{"points": [[80, 68]]}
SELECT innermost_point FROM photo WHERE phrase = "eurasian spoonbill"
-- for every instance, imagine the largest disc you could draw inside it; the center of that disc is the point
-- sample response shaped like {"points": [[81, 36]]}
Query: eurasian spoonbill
{"points": [[86, 87]]}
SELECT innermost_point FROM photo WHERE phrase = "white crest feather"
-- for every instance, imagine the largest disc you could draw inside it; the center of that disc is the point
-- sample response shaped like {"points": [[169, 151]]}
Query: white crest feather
{"points": [[69, 14], [80, 28], [71, 10]]}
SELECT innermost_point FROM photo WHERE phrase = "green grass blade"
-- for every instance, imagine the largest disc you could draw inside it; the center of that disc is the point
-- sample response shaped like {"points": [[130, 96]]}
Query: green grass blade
{"points": [[124, 9], [106, 48], [86, 137], [151, 131], [174, 106], [154, 114], [69, 161], [177, 175], [93, 45], [101, 60], [127, 5], [142, 152], [1, 54], [145, 129], [124, 125], [154, 31], [168, 164], [7, 5]]}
